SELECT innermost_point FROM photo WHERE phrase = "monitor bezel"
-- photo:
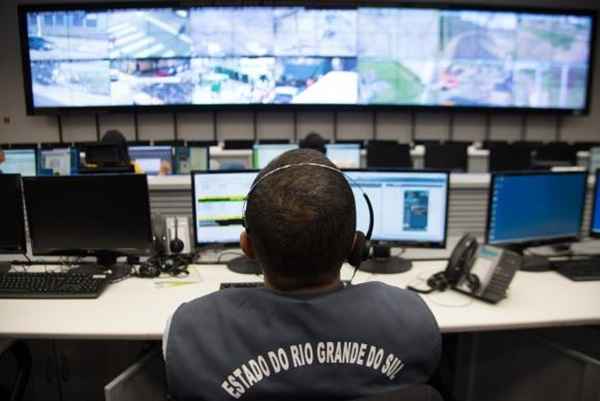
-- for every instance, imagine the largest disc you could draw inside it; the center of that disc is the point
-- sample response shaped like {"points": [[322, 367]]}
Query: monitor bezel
{"points": [[405, 243], [92, 252], [536, 242], [21, 243], [194, 211], [595, 205], [344, 4]]}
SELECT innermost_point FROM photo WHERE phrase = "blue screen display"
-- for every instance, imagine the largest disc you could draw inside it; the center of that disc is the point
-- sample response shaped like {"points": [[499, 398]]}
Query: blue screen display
{"points": [[536, 207], [596, 212]]}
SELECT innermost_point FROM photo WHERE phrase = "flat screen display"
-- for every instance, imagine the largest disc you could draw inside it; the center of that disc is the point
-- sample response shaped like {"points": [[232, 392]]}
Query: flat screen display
{"points": [[344, 155], [57, 161], [535, 208], [12, 234], [218, 200], [262, 155], [257, 55], [152, 160], [595, 231], [409, 207], [81, 215], [19, 161]]}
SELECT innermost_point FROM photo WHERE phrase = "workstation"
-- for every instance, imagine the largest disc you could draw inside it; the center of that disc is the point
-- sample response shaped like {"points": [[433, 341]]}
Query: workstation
{"points": [[143, 137]]}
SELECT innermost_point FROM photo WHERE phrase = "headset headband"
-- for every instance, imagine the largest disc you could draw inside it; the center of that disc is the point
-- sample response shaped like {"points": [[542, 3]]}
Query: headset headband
{"points": [[311, 164]]}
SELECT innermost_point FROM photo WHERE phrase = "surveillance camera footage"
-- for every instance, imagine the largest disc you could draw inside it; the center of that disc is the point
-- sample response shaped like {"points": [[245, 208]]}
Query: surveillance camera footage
{"points": [[295, 55]]}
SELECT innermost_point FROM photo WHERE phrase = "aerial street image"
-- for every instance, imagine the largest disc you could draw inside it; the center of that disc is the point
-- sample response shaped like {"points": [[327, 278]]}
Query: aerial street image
{"points": [[149, 33]]}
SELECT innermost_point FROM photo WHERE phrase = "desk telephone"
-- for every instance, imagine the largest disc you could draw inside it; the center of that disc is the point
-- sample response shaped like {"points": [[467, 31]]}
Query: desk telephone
{"points": [[480, 271]]}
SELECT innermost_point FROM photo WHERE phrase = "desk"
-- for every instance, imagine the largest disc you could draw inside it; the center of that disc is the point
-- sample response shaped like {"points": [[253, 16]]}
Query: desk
{"points": [[137, 309]]}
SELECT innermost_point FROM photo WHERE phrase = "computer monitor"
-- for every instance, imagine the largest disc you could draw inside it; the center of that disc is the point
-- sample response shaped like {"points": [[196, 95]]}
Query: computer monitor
{"points": [[12, 234], [153, 160], [218, 202], [535, 208], [192, 158], [344, 155], [19, 161], [594, 161], [410, 207], [595, 226], [60, 161], [91, 215], [264, 154]]}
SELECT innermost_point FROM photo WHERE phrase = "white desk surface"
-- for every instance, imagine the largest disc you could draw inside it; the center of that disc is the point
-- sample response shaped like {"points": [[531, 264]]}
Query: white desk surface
{"points": [[138, 308]]}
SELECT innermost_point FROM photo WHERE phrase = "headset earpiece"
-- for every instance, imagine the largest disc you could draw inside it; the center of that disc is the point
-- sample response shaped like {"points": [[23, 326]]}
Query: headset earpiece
{"points": [[360, 250]]}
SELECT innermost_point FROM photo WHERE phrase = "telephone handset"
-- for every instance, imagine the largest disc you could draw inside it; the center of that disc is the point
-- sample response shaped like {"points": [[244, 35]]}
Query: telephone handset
{"points": [[480, 271]]}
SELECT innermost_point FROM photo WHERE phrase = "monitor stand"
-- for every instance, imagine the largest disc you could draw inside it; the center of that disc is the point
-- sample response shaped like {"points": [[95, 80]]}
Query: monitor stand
{"points": [[107, 263], [382, 262], [244, 265], [532, 263]]}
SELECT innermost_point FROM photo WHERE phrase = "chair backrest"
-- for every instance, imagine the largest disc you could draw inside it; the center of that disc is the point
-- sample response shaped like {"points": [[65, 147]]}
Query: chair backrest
{"points": [[509, 158], [416, 392], [451, 156], [388, 154], [488, 144], [558, 153]]}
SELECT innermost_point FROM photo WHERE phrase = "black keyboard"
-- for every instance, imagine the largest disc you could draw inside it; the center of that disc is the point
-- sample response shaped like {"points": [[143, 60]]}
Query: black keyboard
{"points": [[581, 269], [256, 284], [51, 285]]}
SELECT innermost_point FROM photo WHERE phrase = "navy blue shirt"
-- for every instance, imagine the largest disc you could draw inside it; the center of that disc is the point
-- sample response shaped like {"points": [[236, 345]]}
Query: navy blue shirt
{"points": [[261, 344]]}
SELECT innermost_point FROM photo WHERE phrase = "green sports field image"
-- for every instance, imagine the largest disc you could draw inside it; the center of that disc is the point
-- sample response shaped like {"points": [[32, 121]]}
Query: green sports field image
{"points": [[388, 81]]}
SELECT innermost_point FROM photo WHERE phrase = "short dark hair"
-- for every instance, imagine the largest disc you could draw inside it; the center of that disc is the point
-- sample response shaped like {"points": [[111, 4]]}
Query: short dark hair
{"points": [[301, 221]]}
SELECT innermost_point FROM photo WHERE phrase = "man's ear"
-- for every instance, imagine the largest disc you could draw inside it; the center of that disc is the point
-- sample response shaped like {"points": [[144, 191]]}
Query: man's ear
{"points": [[246, 245]]}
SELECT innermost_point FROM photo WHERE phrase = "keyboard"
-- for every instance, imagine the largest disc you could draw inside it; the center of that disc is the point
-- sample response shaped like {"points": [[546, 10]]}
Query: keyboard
{"points": [[256, 284], [51, 285], [580, 269]]}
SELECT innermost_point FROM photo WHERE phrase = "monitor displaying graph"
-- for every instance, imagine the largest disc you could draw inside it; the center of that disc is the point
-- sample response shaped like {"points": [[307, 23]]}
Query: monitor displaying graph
{"points": [[395, 56]]}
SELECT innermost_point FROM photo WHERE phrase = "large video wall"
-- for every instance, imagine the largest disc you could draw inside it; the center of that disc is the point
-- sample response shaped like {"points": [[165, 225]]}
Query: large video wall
{"points": [[293, 55]]}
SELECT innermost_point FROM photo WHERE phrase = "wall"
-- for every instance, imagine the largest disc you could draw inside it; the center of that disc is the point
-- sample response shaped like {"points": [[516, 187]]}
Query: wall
{"points": [[16, 126]]}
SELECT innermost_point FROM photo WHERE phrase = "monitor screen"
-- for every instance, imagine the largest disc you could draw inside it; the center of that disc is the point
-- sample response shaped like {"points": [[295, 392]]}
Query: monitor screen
{"points": [[19, 161], [152, 160], [535, 208], [188, 159], [80, 215], [595, 231], [56, 162], [264, 154], [12, 234], [263, 55], [218, 199], [410, 208], [344, 155]]}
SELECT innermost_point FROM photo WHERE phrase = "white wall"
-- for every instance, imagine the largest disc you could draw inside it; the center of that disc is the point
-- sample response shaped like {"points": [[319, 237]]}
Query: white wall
{"points": [[16, 126]]}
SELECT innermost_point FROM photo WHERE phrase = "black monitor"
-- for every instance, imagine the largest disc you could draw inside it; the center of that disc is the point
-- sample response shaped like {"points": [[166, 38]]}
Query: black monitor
{"points": [[12, 233], [451, 156], [388, 154], [94, 215], [535, 208], [595, 226]]}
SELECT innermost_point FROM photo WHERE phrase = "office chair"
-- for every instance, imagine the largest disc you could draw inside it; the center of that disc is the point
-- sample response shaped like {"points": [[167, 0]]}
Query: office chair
{"points": [[488, 144], [22, 356], [509, 158], [554, 154], [388, 154], [449, 156], [415, 392], [238, 144], [426, 142]]}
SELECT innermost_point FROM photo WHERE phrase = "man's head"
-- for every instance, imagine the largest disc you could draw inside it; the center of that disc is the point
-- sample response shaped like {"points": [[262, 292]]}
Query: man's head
{"points": [[300, 222]]}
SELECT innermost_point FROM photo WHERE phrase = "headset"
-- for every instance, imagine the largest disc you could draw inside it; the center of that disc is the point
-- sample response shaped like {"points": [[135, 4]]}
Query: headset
{"points": [[360, 249]]}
